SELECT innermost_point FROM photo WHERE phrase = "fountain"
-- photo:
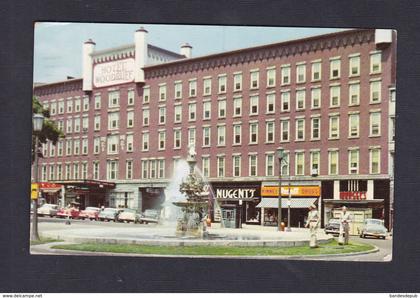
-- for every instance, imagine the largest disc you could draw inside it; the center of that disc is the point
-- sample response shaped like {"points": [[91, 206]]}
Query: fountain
{"points": [[191, 220]]}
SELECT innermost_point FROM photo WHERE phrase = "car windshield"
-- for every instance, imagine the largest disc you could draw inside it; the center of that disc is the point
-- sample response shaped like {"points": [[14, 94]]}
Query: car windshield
{"points": [[110, 210], [92, 208], [334, 221], [374, 222]]}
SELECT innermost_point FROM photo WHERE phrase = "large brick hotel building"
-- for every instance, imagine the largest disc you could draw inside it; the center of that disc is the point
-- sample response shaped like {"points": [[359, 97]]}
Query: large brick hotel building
{"points": [[328, 100]]}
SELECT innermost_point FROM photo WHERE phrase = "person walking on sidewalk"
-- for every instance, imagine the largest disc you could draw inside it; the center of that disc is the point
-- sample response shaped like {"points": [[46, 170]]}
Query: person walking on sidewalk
{"points": [[343, 238], [313, 223]]}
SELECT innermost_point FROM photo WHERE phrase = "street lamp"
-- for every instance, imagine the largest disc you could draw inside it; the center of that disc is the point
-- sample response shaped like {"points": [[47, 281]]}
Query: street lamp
{"points": [[37, 123], [288, 229], [280, 156]]}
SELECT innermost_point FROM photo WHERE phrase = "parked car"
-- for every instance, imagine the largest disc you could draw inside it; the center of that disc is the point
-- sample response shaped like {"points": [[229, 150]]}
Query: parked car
{"points": [[333, 226], [48, 210], [68, 213], [374, 228], [129, 215], [150, 216], [108, 214], [90, 213]]}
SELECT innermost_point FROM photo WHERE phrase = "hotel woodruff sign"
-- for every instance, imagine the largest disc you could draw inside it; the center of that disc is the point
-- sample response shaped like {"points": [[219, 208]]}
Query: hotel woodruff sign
{"points": [[236, 191], [113, 73], [295, 191]]}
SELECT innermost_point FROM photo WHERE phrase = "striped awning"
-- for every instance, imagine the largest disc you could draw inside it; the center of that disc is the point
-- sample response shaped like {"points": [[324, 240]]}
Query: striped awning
{"points": [[294, 202]]}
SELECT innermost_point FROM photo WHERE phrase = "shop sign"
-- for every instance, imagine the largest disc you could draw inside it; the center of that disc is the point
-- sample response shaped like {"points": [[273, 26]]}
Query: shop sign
{"points": [[353, 195], [295, 191], [34, 191], [236, 192], [113, 73]]}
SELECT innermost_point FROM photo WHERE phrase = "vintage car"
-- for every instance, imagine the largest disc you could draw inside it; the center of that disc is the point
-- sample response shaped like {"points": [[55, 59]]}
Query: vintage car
{"points": [[48, 210], [374, 228], [90, 213], [150, 216], [68, 213], [109, 214], [129, 215], [333, 226]]}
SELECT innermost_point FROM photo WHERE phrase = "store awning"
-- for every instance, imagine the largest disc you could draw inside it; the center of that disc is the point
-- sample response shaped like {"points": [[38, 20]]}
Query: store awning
{"points": [[294, 202]]}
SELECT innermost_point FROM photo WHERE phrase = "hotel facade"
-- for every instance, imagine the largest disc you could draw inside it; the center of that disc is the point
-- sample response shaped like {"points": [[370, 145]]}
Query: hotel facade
{"points": [[328, 101]]}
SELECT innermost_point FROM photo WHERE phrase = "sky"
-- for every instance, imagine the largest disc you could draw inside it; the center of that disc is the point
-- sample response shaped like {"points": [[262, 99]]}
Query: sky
{"points": [[58, 46]]}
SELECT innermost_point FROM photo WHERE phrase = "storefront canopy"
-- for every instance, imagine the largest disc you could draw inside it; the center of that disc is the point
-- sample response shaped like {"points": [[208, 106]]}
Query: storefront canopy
{"points": [[294, 202]]}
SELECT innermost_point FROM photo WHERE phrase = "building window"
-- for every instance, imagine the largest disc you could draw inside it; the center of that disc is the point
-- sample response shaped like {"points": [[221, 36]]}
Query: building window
{"points": [[222, 83], [334, 132], [112, 170], [315, 162], [237, 82], [61, 107], [354, 94], [335, 66], [76, 147], [75, 171], [69, 106], [301, 73], [146, 114], [253, 133], [178, 90], [392, 95], [51, 173], [130, 143], [96, 170], [97, 123], [69, 124], [253, 165], [206, 166], [316, 98], [285, 75], [97, 102], [222, 108], [130, 97], [237, 107], [220, 166], [375, 91], [85, 103], [335, 96], [285, 101], [162, 92], [113, 99], [52, 150], [206, 110], [300, 163], [300, 129], [144, 169], [153, 170], [316, 128], [354, 161], [375, 161], [285, 166], [191, 136], [333, 163], [60, 148], [113, 144], [300, 99], [237, 132], [354, 66], [177, 138], [221, 135], [392, 130], [44, 173], [130, 119], [59, 172], [45, 151], [206, 136], [77, 105], [375, 124], [161, 168], [354, 126], [269, 134], [68, 148], [269, 165], [316, 71], [60, 124], [271, 103], [77, 124], [96, 145], [67, 173], [162, 137], [85, 146], [375, 63], [255, 78], [236, 165], [284, 126], [85, 124], [253, 105], [162, 115], [113, 120], [192, 111], [145, 139], [271, 77], [192, 88], [146, 95], [129, 169], [178, 114], [207, 86], [84, 170]]}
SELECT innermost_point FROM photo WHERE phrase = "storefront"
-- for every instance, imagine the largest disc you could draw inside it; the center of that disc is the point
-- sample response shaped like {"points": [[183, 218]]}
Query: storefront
{"points": [[297, 197], [236, 203], [152, 197], [51, 193]]}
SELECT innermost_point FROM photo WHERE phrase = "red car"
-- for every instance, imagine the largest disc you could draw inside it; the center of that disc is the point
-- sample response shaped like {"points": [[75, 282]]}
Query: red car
{"points": [[90, 213], [68, 212]]}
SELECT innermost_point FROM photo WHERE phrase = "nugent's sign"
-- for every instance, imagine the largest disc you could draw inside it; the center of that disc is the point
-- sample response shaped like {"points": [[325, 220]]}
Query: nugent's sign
{"points": [[236, 191], [113, 73]]}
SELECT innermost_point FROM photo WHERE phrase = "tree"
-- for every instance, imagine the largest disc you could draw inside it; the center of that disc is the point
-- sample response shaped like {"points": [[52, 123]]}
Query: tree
{"points": [[49, 132]]}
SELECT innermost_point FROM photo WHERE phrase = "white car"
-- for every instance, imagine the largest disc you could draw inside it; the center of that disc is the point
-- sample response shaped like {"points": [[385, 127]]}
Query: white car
{"points": [[48, 210], [374, 228]]}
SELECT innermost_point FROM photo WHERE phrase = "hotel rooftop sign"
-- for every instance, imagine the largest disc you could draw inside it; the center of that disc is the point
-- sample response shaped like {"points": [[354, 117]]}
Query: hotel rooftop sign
{"points": [[113, 73]]}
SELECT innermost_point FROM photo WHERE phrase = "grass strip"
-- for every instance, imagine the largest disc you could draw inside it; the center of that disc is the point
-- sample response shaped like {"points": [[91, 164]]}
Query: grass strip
{"points": [[44, 240], [327, 248]]}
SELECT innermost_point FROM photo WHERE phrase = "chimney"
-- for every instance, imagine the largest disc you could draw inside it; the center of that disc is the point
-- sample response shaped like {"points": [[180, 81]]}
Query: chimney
{"points": [[383, 37], [87, 67], [140, 44], [186, 50]]}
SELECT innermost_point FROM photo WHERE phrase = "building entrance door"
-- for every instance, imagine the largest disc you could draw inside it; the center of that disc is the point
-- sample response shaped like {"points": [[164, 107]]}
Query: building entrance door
{"points": [[229, 218]]}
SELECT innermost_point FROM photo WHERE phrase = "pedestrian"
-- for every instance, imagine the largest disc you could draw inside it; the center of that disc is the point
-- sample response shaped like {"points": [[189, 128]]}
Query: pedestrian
{"points": [[343, 238], [313, 223]]}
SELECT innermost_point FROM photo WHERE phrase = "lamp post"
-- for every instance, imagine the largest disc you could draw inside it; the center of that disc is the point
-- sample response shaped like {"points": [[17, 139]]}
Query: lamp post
{"points": [[288, 229], [37, 123], [280, 156]]}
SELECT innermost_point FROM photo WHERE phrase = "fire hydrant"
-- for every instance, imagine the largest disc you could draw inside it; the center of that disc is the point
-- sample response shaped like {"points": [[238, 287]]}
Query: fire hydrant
{"points": [[282, 226], [208, 222]]}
